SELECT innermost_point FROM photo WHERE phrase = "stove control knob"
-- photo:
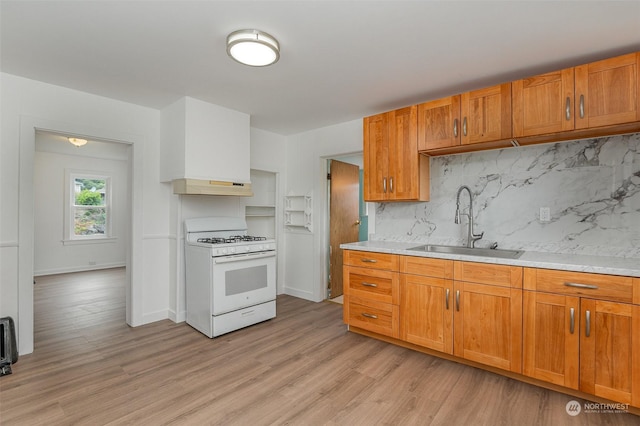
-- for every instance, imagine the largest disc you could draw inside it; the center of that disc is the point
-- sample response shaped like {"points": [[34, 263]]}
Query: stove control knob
{"points": [[232, 250], [223, 251]]}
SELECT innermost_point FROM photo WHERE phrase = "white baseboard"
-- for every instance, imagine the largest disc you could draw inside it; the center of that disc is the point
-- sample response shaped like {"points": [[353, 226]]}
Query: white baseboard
{"points": [[70, 269], [302, 294]]}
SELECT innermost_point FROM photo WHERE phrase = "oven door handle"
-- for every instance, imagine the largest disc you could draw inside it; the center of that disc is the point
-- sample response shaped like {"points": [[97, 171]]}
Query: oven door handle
{"points": [[244, 256]]}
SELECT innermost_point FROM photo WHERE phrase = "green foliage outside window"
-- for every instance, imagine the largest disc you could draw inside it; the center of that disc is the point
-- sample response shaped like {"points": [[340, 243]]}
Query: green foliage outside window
{"points": [[90, 220]]}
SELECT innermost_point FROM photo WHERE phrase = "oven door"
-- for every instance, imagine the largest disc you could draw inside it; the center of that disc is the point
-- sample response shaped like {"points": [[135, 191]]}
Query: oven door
{"points": [[243, 280]]}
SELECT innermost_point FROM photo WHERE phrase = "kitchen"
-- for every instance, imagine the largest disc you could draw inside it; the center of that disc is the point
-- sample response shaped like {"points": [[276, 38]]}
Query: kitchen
{"points": [[157, 219]]}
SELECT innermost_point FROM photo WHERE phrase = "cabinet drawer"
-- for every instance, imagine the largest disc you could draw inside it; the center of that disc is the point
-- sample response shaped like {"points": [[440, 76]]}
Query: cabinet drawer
{"points": [[369, 259], [428, 267], [382, 318], [605, 287], [373, 284], [487, 273]]}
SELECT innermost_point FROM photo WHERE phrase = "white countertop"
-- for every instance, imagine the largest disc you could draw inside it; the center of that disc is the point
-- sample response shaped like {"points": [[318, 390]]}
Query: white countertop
{"points": [[567, 262]]}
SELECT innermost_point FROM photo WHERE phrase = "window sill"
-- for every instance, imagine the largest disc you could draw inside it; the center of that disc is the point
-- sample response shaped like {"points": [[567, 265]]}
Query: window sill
{"points": [[105, 240]]}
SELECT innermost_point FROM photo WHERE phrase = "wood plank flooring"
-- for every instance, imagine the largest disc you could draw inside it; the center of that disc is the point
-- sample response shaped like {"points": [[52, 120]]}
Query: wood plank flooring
{"points": [[301, 368]]}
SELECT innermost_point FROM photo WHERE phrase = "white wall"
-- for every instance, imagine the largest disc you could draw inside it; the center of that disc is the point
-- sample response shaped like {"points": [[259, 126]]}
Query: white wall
{"points": [[55, 157], [27, 105], [305, 253]]}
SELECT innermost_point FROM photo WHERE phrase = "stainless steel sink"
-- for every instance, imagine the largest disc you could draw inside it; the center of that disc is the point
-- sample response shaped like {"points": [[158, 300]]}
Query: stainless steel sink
{"points": [[487, 252]]}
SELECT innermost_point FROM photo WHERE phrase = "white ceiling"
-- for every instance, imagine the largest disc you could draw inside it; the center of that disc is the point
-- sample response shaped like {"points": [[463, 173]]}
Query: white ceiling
{"points": [[340, 60]]}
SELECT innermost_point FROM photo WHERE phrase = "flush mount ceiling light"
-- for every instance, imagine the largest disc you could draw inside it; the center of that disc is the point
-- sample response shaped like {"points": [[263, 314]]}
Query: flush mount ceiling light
{"points": [[78, 142], [252, 47]]}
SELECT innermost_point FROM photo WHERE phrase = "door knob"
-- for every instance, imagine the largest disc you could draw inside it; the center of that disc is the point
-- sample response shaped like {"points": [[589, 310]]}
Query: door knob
{"points": [[357, 222]]}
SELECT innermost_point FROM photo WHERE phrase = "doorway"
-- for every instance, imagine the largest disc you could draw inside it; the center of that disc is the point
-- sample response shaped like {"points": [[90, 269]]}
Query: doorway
{"points": [[347, 215]]}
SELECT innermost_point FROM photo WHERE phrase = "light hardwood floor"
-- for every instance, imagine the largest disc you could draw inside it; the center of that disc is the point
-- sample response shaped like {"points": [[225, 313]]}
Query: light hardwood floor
{"points": [[301, 368]]}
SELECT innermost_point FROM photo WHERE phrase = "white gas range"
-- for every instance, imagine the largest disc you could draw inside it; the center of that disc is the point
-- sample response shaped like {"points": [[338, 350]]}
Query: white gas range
{"points": [[230, 277]]}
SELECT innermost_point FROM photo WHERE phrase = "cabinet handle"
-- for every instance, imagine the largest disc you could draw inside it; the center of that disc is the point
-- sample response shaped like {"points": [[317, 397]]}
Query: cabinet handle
{"points": [[587, 327], [369, 260], [578, 285], [464, 126], [568, 108], [458, 300], [446, 304], [581, 106], [384, 185], [369, 284], [391, 184], [572, 322], [455, 128], [366, 315]]}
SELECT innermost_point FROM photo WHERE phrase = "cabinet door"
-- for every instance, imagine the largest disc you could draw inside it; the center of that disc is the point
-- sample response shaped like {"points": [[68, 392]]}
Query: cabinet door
{"points": [[439, 123], [426, 309], [608, 92], [543, 104], [403, 178], [376, 157], [486, 114], [609, 345], [551, 338], [488, 325]]}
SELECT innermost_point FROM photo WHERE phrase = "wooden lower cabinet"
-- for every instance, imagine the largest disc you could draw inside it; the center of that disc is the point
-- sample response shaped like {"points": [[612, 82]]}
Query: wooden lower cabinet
{"points": [[551, 338], [488, 325], [426, 309], [609, 350], [579, 341], [579, 331]]}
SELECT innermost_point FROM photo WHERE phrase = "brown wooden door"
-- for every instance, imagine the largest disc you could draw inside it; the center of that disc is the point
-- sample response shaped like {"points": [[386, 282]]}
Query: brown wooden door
{"points": [[543, 104], [403, 179], [488, 325], [344, 217], [426, 312], [551, 338], [376, 157], [609, 345], [439, 123], [486, 114], [608, 92]]}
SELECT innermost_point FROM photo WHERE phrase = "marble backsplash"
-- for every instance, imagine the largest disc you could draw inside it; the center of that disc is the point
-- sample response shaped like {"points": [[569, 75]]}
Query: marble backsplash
{"points": [[592, 188]]}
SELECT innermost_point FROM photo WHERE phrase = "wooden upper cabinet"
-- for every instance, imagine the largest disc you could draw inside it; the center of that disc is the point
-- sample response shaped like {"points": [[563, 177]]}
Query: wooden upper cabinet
{"points": [[439, 123], [477, 116], [543, 104], [589, 96], [608, 92], [376, 156], [393, 168]]}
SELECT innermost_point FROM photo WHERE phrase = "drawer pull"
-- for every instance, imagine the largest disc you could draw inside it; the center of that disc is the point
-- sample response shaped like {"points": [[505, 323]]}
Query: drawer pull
{"points": [[366, 315], [572, 320], [447, 299], [369, 284], [458, 300], [587, 328], [578, 285], [369, 260]]}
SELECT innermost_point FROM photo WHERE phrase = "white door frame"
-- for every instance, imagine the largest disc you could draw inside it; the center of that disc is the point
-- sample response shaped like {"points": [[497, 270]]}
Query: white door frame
{"points": [[133, 281]]}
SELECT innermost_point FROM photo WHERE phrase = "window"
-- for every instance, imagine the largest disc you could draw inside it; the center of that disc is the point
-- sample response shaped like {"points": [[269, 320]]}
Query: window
{"points": [[89, 206]]}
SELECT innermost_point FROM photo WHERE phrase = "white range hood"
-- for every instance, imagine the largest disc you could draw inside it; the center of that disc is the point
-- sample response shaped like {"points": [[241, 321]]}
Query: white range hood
{"points": [[205, 149]]}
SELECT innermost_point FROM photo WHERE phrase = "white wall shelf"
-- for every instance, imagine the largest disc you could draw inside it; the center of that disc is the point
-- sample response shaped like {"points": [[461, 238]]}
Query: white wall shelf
{"points": [[298, 212]]}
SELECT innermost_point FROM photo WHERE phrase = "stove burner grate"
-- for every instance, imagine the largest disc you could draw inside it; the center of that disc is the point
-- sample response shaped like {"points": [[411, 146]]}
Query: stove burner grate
{"points": [[231, 239]]}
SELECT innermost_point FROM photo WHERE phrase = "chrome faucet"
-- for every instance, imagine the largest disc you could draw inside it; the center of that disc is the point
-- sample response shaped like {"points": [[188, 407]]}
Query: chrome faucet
{"points": [[471, 237]]}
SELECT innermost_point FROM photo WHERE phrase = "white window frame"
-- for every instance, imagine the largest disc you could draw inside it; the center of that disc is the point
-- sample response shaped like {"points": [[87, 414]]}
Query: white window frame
{"points": [[70, 208]]}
